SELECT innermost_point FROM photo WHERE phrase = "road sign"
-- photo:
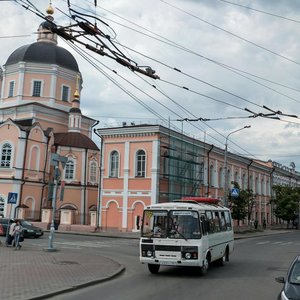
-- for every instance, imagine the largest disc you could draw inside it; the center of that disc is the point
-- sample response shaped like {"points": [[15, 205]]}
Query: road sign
{"points": [[12, 198], [235, 192]]}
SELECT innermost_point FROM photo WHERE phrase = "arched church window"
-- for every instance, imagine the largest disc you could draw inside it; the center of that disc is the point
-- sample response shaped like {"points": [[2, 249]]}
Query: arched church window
{"points": [[6, 153], [69, 170], [93, 172]]}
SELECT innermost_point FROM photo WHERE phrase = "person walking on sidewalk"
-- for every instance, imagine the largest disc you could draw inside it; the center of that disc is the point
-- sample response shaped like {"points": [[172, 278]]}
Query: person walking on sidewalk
{"points": [[18, 234], [10, 235]]}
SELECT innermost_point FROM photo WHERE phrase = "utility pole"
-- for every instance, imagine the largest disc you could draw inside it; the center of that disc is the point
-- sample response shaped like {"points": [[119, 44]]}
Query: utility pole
{"points": [[55, 159], [225, 166]]}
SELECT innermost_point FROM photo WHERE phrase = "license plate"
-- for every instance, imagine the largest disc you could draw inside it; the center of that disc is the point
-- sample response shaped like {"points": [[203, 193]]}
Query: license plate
{"points": [[168, 263]]}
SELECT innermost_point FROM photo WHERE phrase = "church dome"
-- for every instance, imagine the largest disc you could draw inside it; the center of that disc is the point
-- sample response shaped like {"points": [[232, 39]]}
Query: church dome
{"points": [[44, 52]]}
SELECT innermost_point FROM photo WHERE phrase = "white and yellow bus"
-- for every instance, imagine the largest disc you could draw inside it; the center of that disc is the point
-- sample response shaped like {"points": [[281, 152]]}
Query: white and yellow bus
{"points": [[194, 231]]}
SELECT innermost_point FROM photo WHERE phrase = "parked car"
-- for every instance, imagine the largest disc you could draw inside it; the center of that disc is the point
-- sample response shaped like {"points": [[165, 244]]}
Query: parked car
{"points": [[291, 284], [4, 223], [29, 229]]}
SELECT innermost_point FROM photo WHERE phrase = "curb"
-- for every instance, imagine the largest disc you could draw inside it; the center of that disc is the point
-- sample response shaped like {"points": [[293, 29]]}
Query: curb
{"points": [[120, 270]]}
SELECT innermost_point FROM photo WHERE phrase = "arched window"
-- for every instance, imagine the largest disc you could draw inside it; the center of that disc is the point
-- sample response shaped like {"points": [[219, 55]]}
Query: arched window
{"points": [[211, 175], [69, 169], [93, 172], [6, 152], [2, 203], [141, 163], [244, 182], [114, 164], [221, 178], [257, 191], [236, 177]]}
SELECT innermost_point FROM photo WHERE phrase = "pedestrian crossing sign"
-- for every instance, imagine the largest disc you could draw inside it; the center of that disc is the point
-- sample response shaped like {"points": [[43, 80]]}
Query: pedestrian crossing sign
{"points": [[235, 192], [12, 198]]}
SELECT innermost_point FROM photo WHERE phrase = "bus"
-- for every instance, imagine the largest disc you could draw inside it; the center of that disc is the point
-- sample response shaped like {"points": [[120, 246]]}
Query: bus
{"points": [[192, 231]]}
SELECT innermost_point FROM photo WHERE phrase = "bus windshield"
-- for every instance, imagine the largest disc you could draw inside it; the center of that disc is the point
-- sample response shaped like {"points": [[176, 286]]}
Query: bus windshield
{"points": [[175, 224]]}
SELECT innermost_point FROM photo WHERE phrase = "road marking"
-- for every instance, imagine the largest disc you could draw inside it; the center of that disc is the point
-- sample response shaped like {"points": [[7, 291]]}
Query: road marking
{"points": [[263, 243]]}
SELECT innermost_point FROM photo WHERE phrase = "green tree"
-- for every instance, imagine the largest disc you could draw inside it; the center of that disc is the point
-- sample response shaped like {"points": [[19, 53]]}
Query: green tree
{"points": [[286, 202], [241, 206]]}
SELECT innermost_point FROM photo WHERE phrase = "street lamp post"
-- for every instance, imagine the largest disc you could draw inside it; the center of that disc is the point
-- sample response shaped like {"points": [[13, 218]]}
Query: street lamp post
{"points": [[225, 165]]}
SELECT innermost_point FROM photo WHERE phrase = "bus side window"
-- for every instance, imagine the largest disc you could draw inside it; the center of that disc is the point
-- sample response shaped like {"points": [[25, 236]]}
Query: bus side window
{"points": [[216, 221], [211, 225], [223, 222], [228, 220], [204, 225]]}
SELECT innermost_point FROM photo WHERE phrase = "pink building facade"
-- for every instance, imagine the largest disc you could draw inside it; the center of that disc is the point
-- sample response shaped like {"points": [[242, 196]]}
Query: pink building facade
{"points": [[148, 164]]}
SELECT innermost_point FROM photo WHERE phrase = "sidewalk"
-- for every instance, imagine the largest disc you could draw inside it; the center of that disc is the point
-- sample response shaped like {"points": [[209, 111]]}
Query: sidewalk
{"points": [[35, 274]]}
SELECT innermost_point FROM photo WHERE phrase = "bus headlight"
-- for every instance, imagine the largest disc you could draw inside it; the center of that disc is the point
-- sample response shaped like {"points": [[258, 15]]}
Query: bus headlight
{"points": [[189, 252]]}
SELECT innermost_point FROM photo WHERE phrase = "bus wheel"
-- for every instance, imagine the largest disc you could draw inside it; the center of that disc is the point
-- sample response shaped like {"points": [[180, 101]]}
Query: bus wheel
{"points": [[153, 268], [204, 268]]}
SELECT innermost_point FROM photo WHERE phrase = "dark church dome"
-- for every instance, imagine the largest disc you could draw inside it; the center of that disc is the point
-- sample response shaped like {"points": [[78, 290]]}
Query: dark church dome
{"points": [[44, 52]]}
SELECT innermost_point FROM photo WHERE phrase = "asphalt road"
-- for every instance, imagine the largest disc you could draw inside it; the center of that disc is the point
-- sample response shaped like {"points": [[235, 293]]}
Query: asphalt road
{"points": [[249, 274]]}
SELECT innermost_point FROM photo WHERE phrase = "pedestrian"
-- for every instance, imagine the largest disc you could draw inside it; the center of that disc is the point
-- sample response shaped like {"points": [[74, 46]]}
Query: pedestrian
{"points": [[264, 224], [255, 223], [10, 234], [18, 235]]}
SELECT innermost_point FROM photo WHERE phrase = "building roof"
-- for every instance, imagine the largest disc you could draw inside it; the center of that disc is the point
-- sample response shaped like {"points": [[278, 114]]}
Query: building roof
{"points": [[74, 139], [44, 52]]}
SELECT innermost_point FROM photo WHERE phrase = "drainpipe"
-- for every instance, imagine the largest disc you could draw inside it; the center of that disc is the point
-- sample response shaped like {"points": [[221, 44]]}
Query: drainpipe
{"points": [[99, 200], [208, 170]]}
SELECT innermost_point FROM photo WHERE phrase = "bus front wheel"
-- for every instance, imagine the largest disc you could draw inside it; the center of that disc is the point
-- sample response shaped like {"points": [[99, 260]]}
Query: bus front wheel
{"points": [[204, 267], [153, 268]]}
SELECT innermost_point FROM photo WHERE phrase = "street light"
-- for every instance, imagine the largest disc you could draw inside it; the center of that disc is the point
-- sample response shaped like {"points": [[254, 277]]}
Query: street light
{"points": [[225, 165]]}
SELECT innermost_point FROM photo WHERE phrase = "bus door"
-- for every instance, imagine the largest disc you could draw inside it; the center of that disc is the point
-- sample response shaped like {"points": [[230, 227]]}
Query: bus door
{"points": [[204, 231]]}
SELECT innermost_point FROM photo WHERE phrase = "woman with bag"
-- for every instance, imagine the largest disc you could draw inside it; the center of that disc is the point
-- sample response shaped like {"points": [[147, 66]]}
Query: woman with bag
{"points": [[10, 235], [18, 235]]}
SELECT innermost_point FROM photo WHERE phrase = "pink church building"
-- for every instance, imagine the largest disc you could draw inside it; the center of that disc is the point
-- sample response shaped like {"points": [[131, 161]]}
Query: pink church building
{"points": [[40, 116]]}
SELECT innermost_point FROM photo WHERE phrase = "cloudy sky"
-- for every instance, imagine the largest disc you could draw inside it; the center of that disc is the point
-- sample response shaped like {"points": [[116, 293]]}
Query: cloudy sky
{"points": [[228, 63]]}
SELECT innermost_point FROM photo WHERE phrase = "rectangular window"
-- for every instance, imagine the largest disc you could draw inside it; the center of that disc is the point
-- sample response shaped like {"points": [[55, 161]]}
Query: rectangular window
{"points": [[65, 93], [37, 88], [11, 89]]}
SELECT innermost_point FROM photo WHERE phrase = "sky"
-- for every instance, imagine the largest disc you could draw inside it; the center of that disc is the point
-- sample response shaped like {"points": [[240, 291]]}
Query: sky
{"points": [[221, 66]]}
